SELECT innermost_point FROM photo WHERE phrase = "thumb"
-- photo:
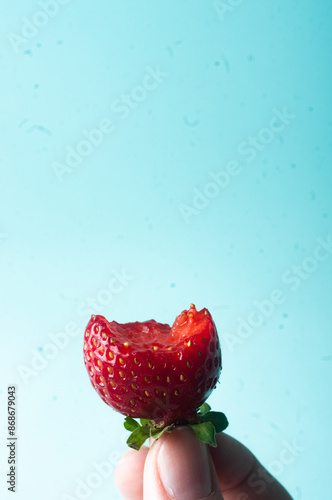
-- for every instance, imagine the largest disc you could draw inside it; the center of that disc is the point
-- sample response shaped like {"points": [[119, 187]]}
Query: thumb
{"points": [[179, 466]]}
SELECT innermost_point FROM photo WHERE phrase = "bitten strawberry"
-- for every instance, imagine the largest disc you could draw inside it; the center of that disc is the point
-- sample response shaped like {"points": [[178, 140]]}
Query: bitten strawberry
{"points": [[151, 371]]}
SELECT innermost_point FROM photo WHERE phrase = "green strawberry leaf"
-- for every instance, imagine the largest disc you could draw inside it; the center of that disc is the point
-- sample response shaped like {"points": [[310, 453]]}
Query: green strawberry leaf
{"points": [[145, 422], [138, 437], [157, 433], [205, 432], [209, 424], [130, 424], [218, 419], [204, 409]]}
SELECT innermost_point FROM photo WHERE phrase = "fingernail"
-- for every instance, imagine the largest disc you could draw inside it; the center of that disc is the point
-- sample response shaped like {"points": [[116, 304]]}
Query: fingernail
{"points": [[184, 466]]}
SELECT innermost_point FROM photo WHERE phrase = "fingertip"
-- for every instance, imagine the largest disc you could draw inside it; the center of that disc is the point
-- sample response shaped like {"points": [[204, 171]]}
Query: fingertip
{"points": [[131, 466], [232, 460], [238, 470], [179, 466]]}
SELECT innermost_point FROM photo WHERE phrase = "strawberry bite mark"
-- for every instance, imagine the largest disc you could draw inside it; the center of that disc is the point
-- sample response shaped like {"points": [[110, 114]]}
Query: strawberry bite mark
{"points": [[151, 371]]}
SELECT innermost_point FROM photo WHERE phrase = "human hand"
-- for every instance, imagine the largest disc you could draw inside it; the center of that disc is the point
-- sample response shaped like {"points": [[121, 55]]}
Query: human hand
{"points": [[179, 466]]}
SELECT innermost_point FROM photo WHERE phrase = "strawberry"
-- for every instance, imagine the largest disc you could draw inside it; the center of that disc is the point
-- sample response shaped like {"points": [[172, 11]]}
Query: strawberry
{"points": [[159, 374]]}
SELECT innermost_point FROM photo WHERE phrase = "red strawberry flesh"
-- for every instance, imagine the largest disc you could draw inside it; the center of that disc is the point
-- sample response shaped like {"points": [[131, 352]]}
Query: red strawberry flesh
{"points": [[152, 371]]}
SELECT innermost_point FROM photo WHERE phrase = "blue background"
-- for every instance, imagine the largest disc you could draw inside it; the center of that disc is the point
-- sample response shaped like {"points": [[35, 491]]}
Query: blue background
{"points": [[140, 204]]}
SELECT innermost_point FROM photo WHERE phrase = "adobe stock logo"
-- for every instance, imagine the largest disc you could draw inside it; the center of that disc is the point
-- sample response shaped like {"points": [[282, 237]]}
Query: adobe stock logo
{"points": [[247, 150], [101, 471], [121, 108], [225, 7], [31, 27], [292, 279], [260, 480], [58, 342]]}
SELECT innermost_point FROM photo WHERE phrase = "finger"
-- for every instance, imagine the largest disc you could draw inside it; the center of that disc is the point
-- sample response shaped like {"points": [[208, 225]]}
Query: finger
{"points": [[240, 474], [128, 475], [179, 466]]}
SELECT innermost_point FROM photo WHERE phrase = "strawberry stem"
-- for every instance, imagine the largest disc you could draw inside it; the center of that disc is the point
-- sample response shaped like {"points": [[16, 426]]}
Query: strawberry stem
{"points": [[209, 423]]}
